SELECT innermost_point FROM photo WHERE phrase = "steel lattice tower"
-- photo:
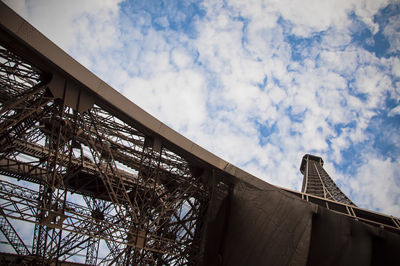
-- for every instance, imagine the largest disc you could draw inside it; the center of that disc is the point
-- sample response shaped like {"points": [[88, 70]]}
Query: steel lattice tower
{"points": [[316, 180], [88, 177]]}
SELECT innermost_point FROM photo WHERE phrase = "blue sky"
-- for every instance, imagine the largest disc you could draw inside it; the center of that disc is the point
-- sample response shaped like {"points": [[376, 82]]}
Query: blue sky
{"points": [[259, 83]]}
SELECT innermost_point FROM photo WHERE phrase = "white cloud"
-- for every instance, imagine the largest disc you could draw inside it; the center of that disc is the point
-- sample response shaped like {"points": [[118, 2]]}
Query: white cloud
{"points": [[392, 33], [63, 21], [394, 111], [378, 185], [162, 21], [396, 67], [180, 58]]}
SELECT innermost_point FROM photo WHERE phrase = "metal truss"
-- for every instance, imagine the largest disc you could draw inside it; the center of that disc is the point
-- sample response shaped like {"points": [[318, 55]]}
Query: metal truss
{"points": [[12, 236], [98, 190], [317, 182]]}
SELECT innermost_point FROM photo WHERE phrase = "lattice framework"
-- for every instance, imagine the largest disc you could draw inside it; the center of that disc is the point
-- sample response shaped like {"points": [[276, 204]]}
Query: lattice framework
{"points": [[317, 182], [96, 185]]}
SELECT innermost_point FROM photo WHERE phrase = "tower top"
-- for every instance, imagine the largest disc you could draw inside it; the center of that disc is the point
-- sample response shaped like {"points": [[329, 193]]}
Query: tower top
{"points": [[310, 157], [317, 182]]}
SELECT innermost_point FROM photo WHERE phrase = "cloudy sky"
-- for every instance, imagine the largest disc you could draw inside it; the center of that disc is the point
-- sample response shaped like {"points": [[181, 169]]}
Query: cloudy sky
{"points": [[258, 83]]}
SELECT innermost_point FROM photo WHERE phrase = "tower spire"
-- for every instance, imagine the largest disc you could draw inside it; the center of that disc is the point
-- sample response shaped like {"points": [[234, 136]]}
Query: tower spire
{"points": [[316, 180]]}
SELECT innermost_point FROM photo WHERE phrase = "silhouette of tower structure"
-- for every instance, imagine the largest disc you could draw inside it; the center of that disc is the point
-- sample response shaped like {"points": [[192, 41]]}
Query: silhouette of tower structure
{"points": [[317, 182]]}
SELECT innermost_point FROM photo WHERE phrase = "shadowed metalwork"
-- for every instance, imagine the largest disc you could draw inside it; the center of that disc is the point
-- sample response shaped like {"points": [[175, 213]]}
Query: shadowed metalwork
{"points": [[138, 197]]}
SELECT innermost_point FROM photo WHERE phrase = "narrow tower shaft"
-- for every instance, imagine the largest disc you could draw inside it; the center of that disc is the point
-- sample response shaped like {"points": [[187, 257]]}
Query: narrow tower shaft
{"points": [[316, 180]]}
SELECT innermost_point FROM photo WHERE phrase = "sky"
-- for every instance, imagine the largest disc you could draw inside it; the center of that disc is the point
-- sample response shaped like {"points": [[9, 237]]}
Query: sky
{"points": [[258, 83]]}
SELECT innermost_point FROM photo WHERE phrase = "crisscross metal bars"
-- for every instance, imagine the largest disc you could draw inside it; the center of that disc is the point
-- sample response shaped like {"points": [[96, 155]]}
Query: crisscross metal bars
{"points": [[316, 180], [152, 203]]}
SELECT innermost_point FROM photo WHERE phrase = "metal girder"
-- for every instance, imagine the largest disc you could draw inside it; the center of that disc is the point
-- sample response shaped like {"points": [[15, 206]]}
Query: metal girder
{"points": [[12, 236], [137, 199]]}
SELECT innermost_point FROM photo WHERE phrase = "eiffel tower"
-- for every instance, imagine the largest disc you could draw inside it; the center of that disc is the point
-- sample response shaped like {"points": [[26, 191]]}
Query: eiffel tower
{"points": [[317, 182], [87, 177]]}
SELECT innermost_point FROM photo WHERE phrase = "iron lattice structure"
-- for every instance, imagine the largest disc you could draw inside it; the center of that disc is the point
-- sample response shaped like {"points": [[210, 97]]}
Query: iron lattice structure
{"points": [[317, 182], [87, 177], [96, 185]]}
